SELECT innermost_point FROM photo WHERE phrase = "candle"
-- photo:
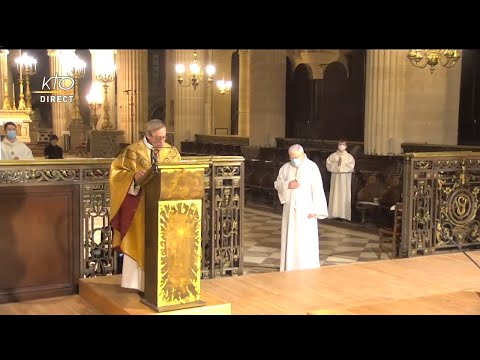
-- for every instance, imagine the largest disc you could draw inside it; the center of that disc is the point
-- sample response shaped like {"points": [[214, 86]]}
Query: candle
{"points": [[13, 95], [20, 63]]}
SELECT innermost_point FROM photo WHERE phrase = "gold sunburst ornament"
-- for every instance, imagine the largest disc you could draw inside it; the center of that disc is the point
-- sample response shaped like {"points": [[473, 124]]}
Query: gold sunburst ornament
{"points": [[180, 255]]}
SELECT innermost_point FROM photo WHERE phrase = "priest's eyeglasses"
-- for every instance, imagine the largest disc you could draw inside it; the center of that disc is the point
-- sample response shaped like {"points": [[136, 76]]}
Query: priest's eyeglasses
{"points": [[159, 138]]}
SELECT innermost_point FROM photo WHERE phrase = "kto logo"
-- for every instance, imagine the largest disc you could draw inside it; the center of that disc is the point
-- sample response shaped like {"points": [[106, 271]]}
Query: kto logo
{"points": [[60, 88]]}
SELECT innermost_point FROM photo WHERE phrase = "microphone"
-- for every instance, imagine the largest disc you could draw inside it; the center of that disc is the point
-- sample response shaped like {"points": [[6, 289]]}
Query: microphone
{"points": [[461, 249], [154, 162]]}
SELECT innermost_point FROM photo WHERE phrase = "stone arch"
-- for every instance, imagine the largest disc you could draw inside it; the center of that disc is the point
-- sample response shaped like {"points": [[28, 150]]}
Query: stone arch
{"points": [[299, 102], [159, 111]]}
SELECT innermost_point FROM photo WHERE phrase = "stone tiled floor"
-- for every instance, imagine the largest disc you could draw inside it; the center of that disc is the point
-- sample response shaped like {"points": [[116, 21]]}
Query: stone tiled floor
{"points": [[338, 245]]}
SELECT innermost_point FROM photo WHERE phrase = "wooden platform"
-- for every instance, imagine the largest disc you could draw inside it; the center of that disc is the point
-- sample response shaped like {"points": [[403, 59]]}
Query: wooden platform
{"points": [[62, 305], [456, 303], [436, 284], [108, 297], [348, 285]]}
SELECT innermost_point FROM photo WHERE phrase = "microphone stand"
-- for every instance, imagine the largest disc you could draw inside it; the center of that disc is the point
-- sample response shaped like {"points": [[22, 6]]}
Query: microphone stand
{"points": [[463, 251], [131, 106]]}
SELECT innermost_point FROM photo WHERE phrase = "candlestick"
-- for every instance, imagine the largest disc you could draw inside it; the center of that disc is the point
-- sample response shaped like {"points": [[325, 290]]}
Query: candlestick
{"points": [[6, 99], [13, 96], [21, 98]]}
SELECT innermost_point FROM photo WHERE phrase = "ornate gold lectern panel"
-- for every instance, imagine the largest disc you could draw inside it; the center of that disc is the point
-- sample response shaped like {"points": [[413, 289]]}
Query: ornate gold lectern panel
{"points": [[182, 184], [179, 252], [173, 236]]}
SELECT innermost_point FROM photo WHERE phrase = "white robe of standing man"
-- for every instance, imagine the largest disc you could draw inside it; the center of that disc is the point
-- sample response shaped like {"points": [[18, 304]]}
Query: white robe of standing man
{"points": [[341, 164], [300, 190]]}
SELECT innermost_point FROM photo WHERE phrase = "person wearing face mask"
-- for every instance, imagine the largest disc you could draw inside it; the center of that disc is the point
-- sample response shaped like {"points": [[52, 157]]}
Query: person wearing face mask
{"points": [[300, 189], [127, 200], [341, 165], [13, 149]]}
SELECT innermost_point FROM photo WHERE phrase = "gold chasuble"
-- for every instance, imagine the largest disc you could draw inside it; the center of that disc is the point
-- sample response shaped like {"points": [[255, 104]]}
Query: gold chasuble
{"points": [[128, 211]]}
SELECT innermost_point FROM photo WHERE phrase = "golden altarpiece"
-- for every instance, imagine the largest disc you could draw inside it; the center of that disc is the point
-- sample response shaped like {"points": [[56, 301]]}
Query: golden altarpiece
{"points": [[20, 116]]}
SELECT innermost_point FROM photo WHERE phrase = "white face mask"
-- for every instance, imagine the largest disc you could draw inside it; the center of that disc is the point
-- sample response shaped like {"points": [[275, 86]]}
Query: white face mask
{"points": [[296, 162], [342, 147]]}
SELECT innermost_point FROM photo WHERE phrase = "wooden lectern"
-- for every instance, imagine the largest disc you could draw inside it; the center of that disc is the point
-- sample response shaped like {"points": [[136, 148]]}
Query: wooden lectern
{"points": [[173, 235]]}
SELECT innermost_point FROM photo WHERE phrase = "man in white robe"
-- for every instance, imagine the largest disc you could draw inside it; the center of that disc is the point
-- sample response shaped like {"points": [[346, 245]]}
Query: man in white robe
{"points": [[13, 149], [341, 164], [300, 190]]}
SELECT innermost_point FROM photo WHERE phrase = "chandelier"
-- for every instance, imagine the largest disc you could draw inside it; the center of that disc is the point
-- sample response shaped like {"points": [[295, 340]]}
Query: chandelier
{"points": [[26, 63], [195, 76], [224, 87], [195, 73], [422, 58]]}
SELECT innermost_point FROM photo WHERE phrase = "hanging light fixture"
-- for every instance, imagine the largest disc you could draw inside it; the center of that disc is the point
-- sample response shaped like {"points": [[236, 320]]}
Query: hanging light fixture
{"points": [[224, 87], [195, 76], [422, 58], [195, 73]]}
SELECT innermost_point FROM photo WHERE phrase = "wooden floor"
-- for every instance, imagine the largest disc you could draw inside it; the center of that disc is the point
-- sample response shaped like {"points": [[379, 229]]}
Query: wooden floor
{"points": [[65, 305], [357, 284], [348, 288], [106, 294], [456, 303]]}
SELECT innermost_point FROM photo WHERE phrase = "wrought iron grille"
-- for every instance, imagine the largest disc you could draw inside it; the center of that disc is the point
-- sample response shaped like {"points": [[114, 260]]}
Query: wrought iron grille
{"points": [[441, 202], [222, 219]]}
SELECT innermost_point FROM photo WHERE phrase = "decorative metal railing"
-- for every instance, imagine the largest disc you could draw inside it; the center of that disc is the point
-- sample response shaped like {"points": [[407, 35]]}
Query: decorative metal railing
{"points": [[223, 209], [440, 202]]}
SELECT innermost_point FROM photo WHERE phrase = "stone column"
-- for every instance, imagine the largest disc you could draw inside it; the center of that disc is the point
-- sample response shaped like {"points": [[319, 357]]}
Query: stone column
{"points": [[267, 96], [170, 83], [61, 112], [383, 102], [132, 96], [189, 106], [244, 93], [209, 126]]}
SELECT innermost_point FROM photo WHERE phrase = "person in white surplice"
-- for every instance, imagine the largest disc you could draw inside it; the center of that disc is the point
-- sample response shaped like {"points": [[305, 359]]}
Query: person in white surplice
{"points": [[341, 165], [13, 149], [300, 190]]}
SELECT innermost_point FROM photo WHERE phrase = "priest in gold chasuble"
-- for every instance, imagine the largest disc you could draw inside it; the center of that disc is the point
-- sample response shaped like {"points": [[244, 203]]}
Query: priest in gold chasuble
{"points": [[127, 204]]}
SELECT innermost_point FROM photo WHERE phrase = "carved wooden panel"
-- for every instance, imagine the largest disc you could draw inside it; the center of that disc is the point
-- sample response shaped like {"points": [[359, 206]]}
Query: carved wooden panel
{"points": [[39, 250]]}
